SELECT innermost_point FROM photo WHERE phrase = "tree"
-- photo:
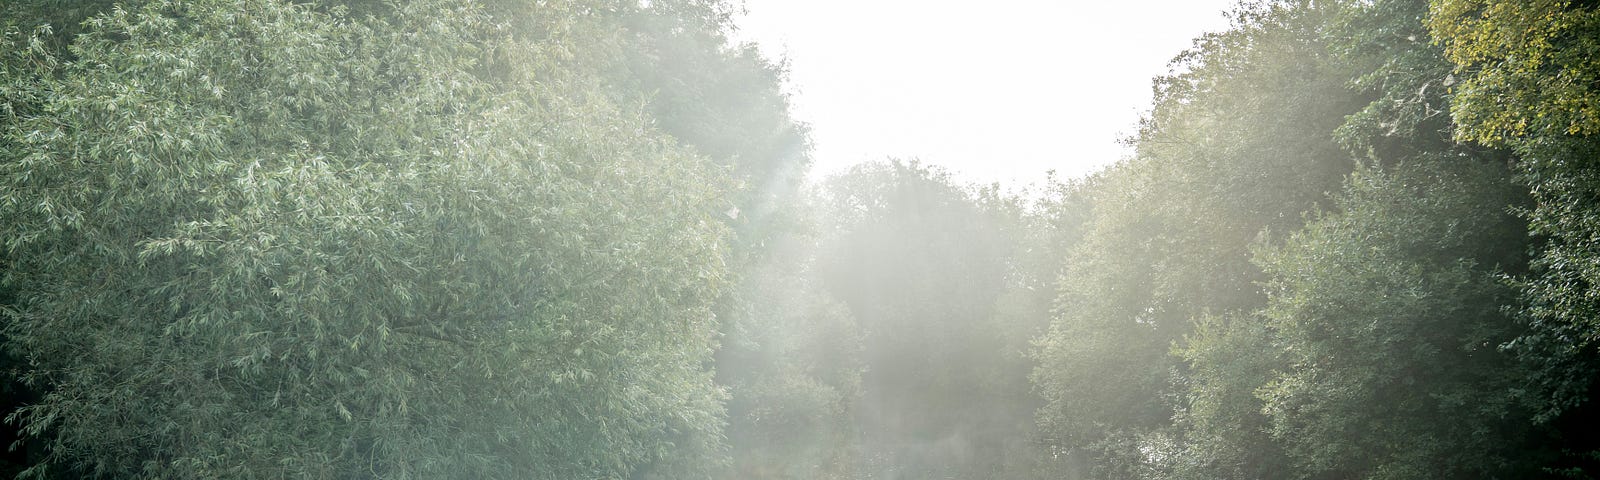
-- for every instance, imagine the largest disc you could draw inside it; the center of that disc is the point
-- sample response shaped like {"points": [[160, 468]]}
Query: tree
{"points": [[1529, 67], [791, 360], [920, 262], [725, 101], [254, 238], [1239, 142], [1528, 75], [1389, 315]]}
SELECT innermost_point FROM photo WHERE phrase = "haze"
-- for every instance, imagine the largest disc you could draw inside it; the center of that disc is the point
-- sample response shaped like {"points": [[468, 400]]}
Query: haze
{"points": [[592, 240], [991, 90]]}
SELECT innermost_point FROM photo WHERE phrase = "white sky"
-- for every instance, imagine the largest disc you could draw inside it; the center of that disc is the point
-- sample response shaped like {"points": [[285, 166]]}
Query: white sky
{"points": [[998, 90]]}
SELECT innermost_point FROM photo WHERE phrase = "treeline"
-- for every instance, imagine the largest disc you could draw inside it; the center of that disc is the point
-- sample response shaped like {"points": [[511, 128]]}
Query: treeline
{"points": [[1352, 244], [571, 239], [1356, 240], [352, 239]]}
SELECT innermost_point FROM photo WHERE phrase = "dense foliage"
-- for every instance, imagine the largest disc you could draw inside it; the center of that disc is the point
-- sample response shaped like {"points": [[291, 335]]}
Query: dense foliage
{"points": [[1236, 147], [1263, 322], [574, 239], [262, 239]]}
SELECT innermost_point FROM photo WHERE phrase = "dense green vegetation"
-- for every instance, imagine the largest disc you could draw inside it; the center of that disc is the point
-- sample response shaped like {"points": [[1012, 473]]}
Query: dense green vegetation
{"points": [[574, 239]]}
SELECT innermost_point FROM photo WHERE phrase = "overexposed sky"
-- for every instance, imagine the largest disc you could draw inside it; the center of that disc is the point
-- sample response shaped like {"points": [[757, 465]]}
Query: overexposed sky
{"points": [[998, 90]]}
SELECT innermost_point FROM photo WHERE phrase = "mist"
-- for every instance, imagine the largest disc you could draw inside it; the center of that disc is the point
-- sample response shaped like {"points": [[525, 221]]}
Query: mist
{"points": [[587, 239]]}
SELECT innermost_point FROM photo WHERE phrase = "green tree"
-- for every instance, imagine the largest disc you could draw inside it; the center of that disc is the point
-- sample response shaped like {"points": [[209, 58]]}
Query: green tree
{"points": [[254, 238], [1224, 430], [920, 262], [1389, 315], [725, 102], [1042, 230], [791, 359], [1239, 142], [1529, 79]]}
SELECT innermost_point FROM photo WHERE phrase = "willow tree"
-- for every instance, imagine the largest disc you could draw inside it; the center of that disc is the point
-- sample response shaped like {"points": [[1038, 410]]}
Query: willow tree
{"points": [[259, 238]]}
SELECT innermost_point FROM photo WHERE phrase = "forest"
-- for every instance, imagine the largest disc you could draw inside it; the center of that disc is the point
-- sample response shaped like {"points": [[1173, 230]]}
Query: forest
{"points": [[578, 239]]}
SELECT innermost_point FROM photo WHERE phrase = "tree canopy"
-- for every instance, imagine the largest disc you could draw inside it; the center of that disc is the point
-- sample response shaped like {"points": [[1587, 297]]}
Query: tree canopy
{"points": [[262, 238]]}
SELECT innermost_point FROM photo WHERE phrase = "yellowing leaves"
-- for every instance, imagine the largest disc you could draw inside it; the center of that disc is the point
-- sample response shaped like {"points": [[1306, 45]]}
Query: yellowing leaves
{"points": [[1529, 67]]}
